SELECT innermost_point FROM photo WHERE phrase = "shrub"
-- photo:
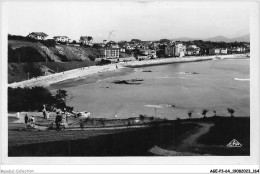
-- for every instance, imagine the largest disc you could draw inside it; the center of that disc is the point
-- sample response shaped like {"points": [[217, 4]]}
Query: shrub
{"points": [[48, 42], [30, 99], [104, 62]]}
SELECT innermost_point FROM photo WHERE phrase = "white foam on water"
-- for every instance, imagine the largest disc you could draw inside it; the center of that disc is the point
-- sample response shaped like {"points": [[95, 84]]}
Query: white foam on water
{"points": [[239, 79], [170, 77], [161, 106], [154, 106]]}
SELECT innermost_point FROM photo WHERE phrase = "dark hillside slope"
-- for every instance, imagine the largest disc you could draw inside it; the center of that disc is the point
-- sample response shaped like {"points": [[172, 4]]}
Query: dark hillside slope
{"points": [[23, 51], [31, 58], [47, 51]]}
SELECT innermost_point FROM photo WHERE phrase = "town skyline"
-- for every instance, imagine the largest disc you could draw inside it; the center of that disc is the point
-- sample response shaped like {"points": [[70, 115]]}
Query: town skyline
{"points": [[128, 20]]}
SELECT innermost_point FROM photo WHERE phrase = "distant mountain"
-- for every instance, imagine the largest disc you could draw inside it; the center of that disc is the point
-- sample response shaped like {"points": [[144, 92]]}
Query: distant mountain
{"points": [[218, 39], [185, 39], [244, 38]]}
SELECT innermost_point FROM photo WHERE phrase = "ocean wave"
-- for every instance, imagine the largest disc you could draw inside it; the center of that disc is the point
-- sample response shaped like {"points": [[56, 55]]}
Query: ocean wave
{"points": [[239, 79], [160, 106], [184, 73], [170, 77]]}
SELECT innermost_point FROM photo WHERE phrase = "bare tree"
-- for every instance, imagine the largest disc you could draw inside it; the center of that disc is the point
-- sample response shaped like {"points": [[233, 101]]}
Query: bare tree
{"points": [[231, 111], [190, 114], [141, 117], [204, 112]]}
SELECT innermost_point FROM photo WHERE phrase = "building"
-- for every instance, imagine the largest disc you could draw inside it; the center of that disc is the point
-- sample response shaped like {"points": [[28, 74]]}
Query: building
{"points": [[170, 50], [144, 52], [214, 51], [38, 35], [112, 44], [122, 50], [180, 50], [223, 50], [152, 54], [64, 39], [192, 50], [175, 50], [238, 49], [86, 40], [148, 53], [110, 53]]}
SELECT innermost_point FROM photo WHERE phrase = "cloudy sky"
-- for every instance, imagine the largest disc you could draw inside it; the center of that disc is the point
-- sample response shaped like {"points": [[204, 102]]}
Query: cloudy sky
{"points": [[142, 20]]}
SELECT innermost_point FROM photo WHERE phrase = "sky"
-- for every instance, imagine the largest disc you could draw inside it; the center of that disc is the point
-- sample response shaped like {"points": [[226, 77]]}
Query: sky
{"points": [[145, 20]]}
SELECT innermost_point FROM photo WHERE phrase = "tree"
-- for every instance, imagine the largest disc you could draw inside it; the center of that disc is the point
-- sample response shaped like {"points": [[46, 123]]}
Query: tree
{"points": [[204, 112], [164, 40], [135, 40], [190, 114], [97, 46], [141, 117], [61, 97], [102, 122], [231, 111]]}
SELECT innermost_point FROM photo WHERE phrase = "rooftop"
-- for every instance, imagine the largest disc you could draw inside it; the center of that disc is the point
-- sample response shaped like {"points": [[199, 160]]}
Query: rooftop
{"points": [[39, 34]]}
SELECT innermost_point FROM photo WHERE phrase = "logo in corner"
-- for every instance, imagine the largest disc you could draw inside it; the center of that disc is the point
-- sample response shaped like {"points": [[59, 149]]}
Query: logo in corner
{"points": [[234, 143]]}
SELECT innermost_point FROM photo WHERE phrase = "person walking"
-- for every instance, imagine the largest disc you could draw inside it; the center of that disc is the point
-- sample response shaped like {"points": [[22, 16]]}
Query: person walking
{"points": [[47, 115], [26, 119], [32, 121], [82, 125], [58, 120], [44, 112]]}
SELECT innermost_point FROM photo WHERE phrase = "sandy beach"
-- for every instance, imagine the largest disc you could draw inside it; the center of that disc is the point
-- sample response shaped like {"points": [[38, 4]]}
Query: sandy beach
{"points": [[81, 72]]}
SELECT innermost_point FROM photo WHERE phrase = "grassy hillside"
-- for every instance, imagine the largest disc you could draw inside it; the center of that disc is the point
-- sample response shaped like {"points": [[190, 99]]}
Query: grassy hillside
{"points": [[19, 71]]}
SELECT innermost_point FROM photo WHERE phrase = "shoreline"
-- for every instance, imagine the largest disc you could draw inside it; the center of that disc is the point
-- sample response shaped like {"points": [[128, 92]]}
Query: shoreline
{"points": [[80, 72]]}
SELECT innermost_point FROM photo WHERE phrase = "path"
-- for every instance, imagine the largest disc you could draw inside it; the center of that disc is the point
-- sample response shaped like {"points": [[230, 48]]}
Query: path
{"points": [[189, 142]]}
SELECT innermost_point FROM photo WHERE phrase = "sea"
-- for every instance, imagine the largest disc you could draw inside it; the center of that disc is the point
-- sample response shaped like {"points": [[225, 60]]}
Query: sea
{"points": [[166, 91]]}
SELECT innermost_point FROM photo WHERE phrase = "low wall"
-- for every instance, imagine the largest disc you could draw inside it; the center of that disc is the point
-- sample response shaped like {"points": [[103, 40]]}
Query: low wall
{"points": [[165, 61], [178, 60]]}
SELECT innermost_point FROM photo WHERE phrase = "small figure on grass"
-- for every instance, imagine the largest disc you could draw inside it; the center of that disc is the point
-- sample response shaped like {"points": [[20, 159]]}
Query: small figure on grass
{"points": [[32, 121], [26, 119], [128, 124], [58, 119], [81, 125], [44, 112]]}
